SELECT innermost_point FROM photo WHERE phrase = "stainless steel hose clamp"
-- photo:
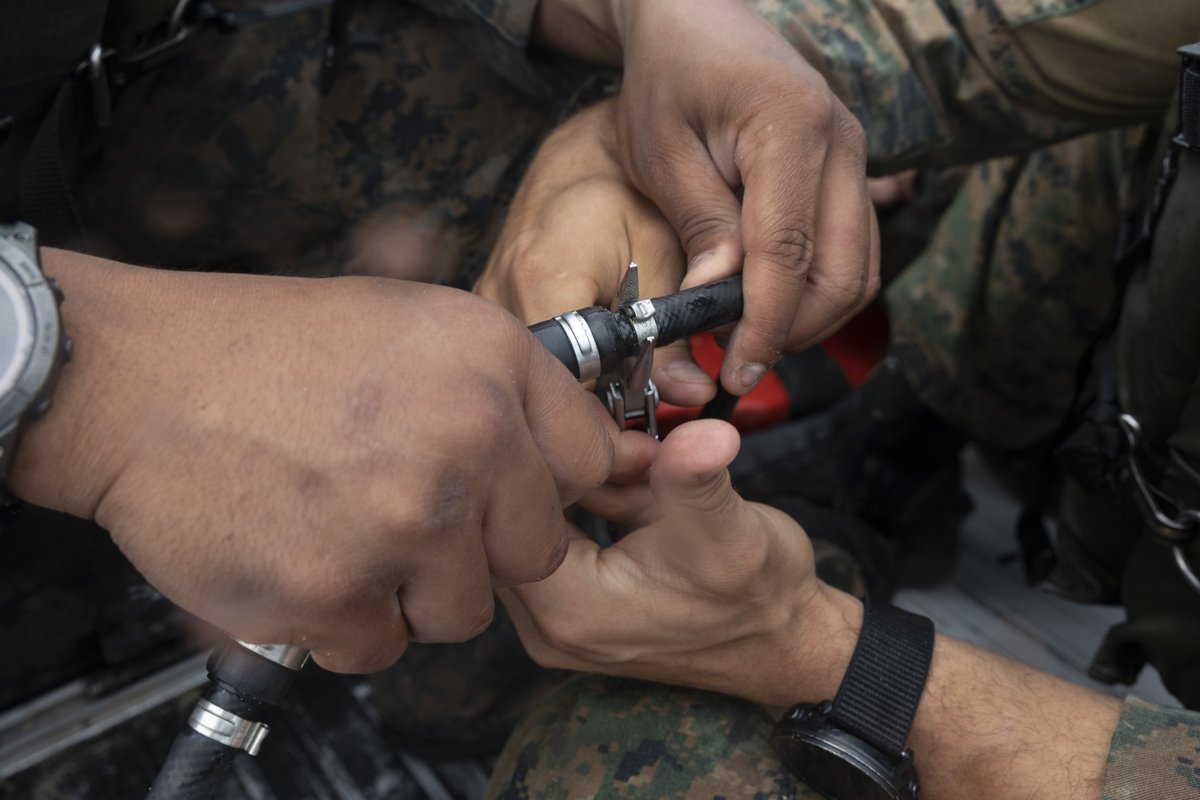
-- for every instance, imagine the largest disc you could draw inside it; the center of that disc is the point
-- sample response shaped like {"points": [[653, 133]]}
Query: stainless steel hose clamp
{"points": [[227, 728]]}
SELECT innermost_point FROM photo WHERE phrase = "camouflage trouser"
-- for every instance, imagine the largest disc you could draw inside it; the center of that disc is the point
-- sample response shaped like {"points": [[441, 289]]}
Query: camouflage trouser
{"points": [[992, 321], [607, 738]]}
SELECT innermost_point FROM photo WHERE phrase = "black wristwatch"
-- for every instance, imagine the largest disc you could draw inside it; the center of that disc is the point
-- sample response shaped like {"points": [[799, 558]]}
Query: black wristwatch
{"points": [[854, 747], [33, 346]]}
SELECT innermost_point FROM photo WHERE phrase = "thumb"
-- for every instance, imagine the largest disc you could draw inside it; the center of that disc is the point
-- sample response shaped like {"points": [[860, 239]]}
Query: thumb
{"points": [[690, 481]]}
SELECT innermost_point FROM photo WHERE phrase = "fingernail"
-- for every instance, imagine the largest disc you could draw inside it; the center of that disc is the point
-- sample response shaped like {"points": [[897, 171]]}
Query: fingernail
{"points": [[748, 375], [684, 371]]}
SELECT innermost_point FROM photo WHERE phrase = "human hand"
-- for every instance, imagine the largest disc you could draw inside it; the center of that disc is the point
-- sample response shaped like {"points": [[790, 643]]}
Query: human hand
{"points": [[338, 464], [715, 101], [575, 224], [709, 591]]}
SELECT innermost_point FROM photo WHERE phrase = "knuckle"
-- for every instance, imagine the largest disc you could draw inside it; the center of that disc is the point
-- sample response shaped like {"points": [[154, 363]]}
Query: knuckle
{"points": [[821, 106], [475, 624], [787, 246], [526, 255], [704, 226], [808, 107], [560, 633], [555, 553]]}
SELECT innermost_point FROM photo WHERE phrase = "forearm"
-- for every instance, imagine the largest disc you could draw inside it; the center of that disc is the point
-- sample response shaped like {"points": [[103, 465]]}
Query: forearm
{"points": [[986, 726]]}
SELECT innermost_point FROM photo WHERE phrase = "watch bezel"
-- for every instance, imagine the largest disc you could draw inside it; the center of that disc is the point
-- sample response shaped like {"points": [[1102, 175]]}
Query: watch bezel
{"points": [[13, 291], [38, 375], [806, 731]]}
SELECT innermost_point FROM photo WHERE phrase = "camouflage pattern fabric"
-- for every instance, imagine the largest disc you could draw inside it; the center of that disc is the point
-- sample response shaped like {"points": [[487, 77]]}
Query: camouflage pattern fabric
{"points": [[993, 319], [610, 738], [1148, 739], [938, 82], [246, 152]]}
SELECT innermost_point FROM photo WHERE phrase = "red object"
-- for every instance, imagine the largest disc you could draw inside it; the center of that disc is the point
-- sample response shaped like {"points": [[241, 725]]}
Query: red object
{"points": [[857, 348], [861, 343]]}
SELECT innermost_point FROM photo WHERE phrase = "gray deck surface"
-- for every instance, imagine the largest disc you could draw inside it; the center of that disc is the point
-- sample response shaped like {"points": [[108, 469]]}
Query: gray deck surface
{"points": [[988, 604]]}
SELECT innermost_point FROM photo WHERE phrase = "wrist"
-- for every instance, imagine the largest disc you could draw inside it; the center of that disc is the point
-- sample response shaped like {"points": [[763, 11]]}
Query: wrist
{"points": [[820, 647], [69, 456]]}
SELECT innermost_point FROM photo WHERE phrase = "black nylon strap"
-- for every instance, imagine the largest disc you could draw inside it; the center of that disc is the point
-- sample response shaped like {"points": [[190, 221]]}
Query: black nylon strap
{"points": [[1189, 110], [878, 697], [1189, 99], [29, 99], [45, 193]]}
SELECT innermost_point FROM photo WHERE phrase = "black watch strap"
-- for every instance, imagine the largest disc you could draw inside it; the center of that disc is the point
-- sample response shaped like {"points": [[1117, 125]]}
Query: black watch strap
{"points": [[881, 689]]}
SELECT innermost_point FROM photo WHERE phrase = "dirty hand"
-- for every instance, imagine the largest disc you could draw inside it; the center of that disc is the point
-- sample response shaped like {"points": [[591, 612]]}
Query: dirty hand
{"points": [[342, 464], [714, 101], [575, 224], [710, 591]]}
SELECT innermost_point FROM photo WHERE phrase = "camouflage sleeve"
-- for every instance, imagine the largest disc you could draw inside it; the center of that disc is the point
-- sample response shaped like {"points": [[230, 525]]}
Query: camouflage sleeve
{"points": [[955, 81], [1155, 752], [500, 30]]}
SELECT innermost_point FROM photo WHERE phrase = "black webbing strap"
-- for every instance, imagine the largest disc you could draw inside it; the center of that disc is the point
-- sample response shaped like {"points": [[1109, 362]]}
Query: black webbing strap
{"points": [[1189, 99], [45, 200], [879, 695]]}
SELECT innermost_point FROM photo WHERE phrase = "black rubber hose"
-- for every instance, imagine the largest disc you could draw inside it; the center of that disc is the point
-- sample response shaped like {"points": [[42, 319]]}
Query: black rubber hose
{"points": [[194, 769], [694, 310], [605, 332], [243, 683], [700, 308]]}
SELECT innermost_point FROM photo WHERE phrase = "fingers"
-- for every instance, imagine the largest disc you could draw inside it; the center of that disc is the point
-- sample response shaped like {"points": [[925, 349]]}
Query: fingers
{"points": [[524, 534], [829, 291], [784, 161], [449, 599], [370, 639], [567, 425], [845, 274], [679, 379], [892, 190], [683, 181]]}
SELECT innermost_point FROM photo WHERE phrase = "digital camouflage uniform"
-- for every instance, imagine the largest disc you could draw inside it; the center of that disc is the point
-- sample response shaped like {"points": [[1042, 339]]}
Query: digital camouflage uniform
{"points": [[246, 151], [991, 323]]}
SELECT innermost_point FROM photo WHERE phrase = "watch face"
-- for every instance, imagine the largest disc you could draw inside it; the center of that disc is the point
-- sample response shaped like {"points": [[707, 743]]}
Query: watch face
{"points": [[839, 765], [16, 330], [840, 776]]}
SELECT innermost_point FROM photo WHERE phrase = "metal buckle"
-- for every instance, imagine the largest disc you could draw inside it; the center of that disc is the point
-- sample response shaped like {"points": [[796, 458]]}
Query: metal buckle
{"points": [[1174, 526]]}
